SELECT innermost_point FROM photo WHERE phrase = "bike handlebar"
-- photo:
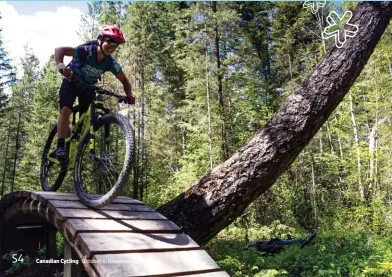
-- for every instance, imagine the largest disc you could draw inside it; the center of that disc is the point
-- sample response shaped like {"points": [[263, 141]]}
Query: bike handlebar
{"points": [[76, 79], [106, 92]]}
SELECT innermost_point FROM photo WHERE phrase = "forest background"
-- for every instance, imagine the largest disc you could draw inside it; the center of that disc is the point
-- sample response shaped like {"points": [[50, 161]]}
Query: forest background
{"points": [[207, 75]]}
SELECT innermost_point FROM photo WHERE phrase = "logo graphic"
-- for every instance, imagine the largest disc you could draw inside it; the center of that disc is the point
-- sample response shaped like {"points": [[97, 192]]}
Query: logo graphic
{"points": [[340, 28], [314, 5], [117, 66]]}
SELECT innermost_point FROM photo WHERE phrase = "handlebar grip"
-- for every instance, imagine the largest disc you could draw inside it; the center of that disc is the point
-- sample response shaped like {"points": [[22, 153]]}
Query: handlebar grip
{"points": [[70, 76], [123, 100]]}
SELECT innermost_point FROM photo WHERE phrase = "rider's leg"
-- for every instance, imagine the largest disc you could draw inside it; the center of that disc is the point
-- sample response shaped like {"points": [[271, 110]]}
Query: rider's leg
{"points": [[63, 123], [86, 97], [62, 129], [67, 98]]}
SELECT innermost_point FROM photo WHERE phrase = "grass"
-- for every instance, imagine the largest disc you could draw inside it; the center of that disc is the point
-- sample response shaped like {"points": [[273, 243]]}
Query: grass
{"points": [[338, 253]]}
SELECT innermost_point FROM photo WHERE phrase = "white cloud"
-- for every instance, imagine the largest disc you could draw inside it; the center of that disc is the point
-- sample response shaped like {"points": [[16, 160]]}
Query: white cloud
{"points": [[42, 32]]}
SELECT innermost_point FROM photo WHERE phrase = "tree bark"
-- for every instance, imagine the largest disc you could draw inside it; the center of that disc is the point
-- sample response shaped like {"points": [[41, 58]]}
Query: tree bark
{"points": [[340, 143], [208, 103], [373, 141], [136, 118], [373, 157], [142, 144], [222, 110], [314, 204], [220, 196], [5, 159], [321, 142], [330, 139], [16, 152]]}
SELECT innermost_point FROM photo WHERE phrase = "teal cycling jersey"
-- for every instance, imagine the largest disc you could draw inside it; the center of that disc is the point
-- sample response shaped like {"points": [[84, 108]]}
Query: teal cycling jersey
{"points": [[85, 63]]}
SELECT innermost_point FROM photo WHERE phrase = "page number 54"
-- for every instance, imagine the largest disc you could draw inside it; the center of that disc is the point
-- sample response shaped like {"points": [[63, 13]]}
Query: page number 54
{"points": [[16, 259]]}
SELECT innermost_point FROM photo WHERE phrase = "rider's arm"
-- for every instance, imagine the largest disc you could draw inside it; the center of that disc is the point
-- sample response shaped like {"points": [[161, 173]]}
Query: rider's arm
{"points": [[126, 84], [59, 54]]}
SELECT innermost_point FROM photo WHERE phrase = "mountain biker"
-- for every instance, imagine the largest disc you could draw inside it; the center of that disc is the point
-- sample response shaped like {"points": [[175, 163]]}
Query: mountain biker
{"points": [[90, 61]]}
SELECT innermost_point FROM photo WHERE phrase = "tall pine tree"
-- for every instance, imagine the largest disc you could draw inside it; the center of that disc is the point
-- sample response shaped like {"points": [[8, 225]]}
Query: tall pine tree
{"points": [[6, 73]]}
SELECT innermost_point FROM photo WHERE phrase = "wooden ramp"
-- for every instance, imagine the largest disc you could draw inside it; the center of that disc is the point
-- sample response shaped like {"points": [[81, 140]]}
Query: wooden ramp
{"points": [[125, 238]]}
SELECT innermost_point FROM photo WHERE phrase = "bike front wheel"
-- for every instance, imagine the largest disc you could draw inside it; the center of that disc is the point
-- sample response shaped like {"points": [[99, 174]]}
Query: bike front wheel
{"points": [[102, 169], [52, 172]]}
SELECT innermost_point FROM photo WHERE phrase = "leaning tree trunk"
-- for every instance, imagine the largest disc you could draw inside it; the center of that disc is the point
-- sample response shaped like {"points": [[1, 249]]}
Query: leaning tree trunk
{"points": [[220, 196]]}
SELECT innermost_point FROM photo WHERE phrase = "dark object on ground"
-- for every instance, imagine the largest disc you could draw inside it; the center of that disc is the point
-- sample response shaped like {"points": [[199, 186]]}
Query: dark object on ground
{"points": [[275, 245]]}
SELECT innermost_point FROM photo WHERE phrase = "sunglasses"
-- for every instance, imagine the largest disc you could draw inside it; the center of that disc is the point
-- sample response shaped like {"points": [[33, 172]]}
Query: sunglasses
{"points": [[112, 43]]}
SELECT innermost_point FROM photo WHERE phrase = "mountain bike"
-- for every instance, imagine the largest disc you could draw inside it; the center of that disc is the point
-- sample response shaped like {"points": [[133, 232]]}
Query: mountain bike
{"points": [[99, 146]]}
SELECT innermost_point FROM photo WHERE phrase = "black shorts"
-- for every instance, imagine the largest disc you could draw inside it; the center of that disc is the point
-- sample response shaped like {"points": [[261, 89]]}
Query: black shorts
{"points": [[68, 93]]}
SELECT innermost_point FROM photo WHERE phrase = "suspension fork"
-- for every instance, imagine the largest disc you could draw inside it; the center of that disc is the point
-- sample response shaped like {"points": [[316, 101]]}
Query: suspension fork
{"points": [[107, 137], [92, 132]]}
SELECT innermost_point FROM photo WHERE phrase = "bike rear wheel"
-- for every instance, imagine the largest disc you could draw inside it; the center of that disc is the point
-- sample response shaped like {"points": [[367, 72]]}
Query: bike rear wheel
{"points": [[99, 176], [52, 172]]}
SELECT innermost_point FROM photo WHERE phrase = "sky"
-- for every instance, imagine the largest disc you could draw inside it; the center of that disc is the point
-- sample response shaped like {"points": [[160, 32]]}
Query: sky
{"points": [[41, 25]]}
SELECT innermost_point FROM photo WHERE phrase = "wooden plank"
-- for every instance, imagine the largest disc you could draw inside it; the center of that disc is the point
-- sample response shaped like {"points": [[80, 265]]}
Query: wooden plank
{"points": [[10, 198], [51, 250], [72, 269], [127, 201], [121, 215], [113, 207], [103, 225], [44, 197], [68, 255], [68, 204], [7, 202], [65, 193], [21, 194], [150, 264], [40, 192], [88, 268], [102, 243], [70, 197], [133, 239]]}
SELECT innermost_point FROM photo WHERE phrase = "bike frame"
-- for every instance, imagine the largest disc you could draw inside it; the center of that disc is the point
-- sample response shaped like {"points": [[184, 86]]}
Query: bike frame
{"points": [[80, 129]]}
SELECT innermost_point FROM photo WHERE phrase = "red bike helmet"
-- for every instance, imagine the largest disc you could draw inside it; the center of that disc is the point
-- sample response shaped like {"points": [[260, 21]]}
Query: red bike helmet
{"points": [[112, 32]]}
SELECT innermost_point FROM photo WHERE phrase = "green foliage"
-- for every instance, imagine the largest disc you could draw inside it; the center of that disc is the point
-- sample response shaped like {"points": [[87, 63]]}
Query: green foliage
{"points": [[343, 253], [257, 232], [89, 22], [339, 252], [60, 242], [233, 257], [7, 75], [43, 113]]}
